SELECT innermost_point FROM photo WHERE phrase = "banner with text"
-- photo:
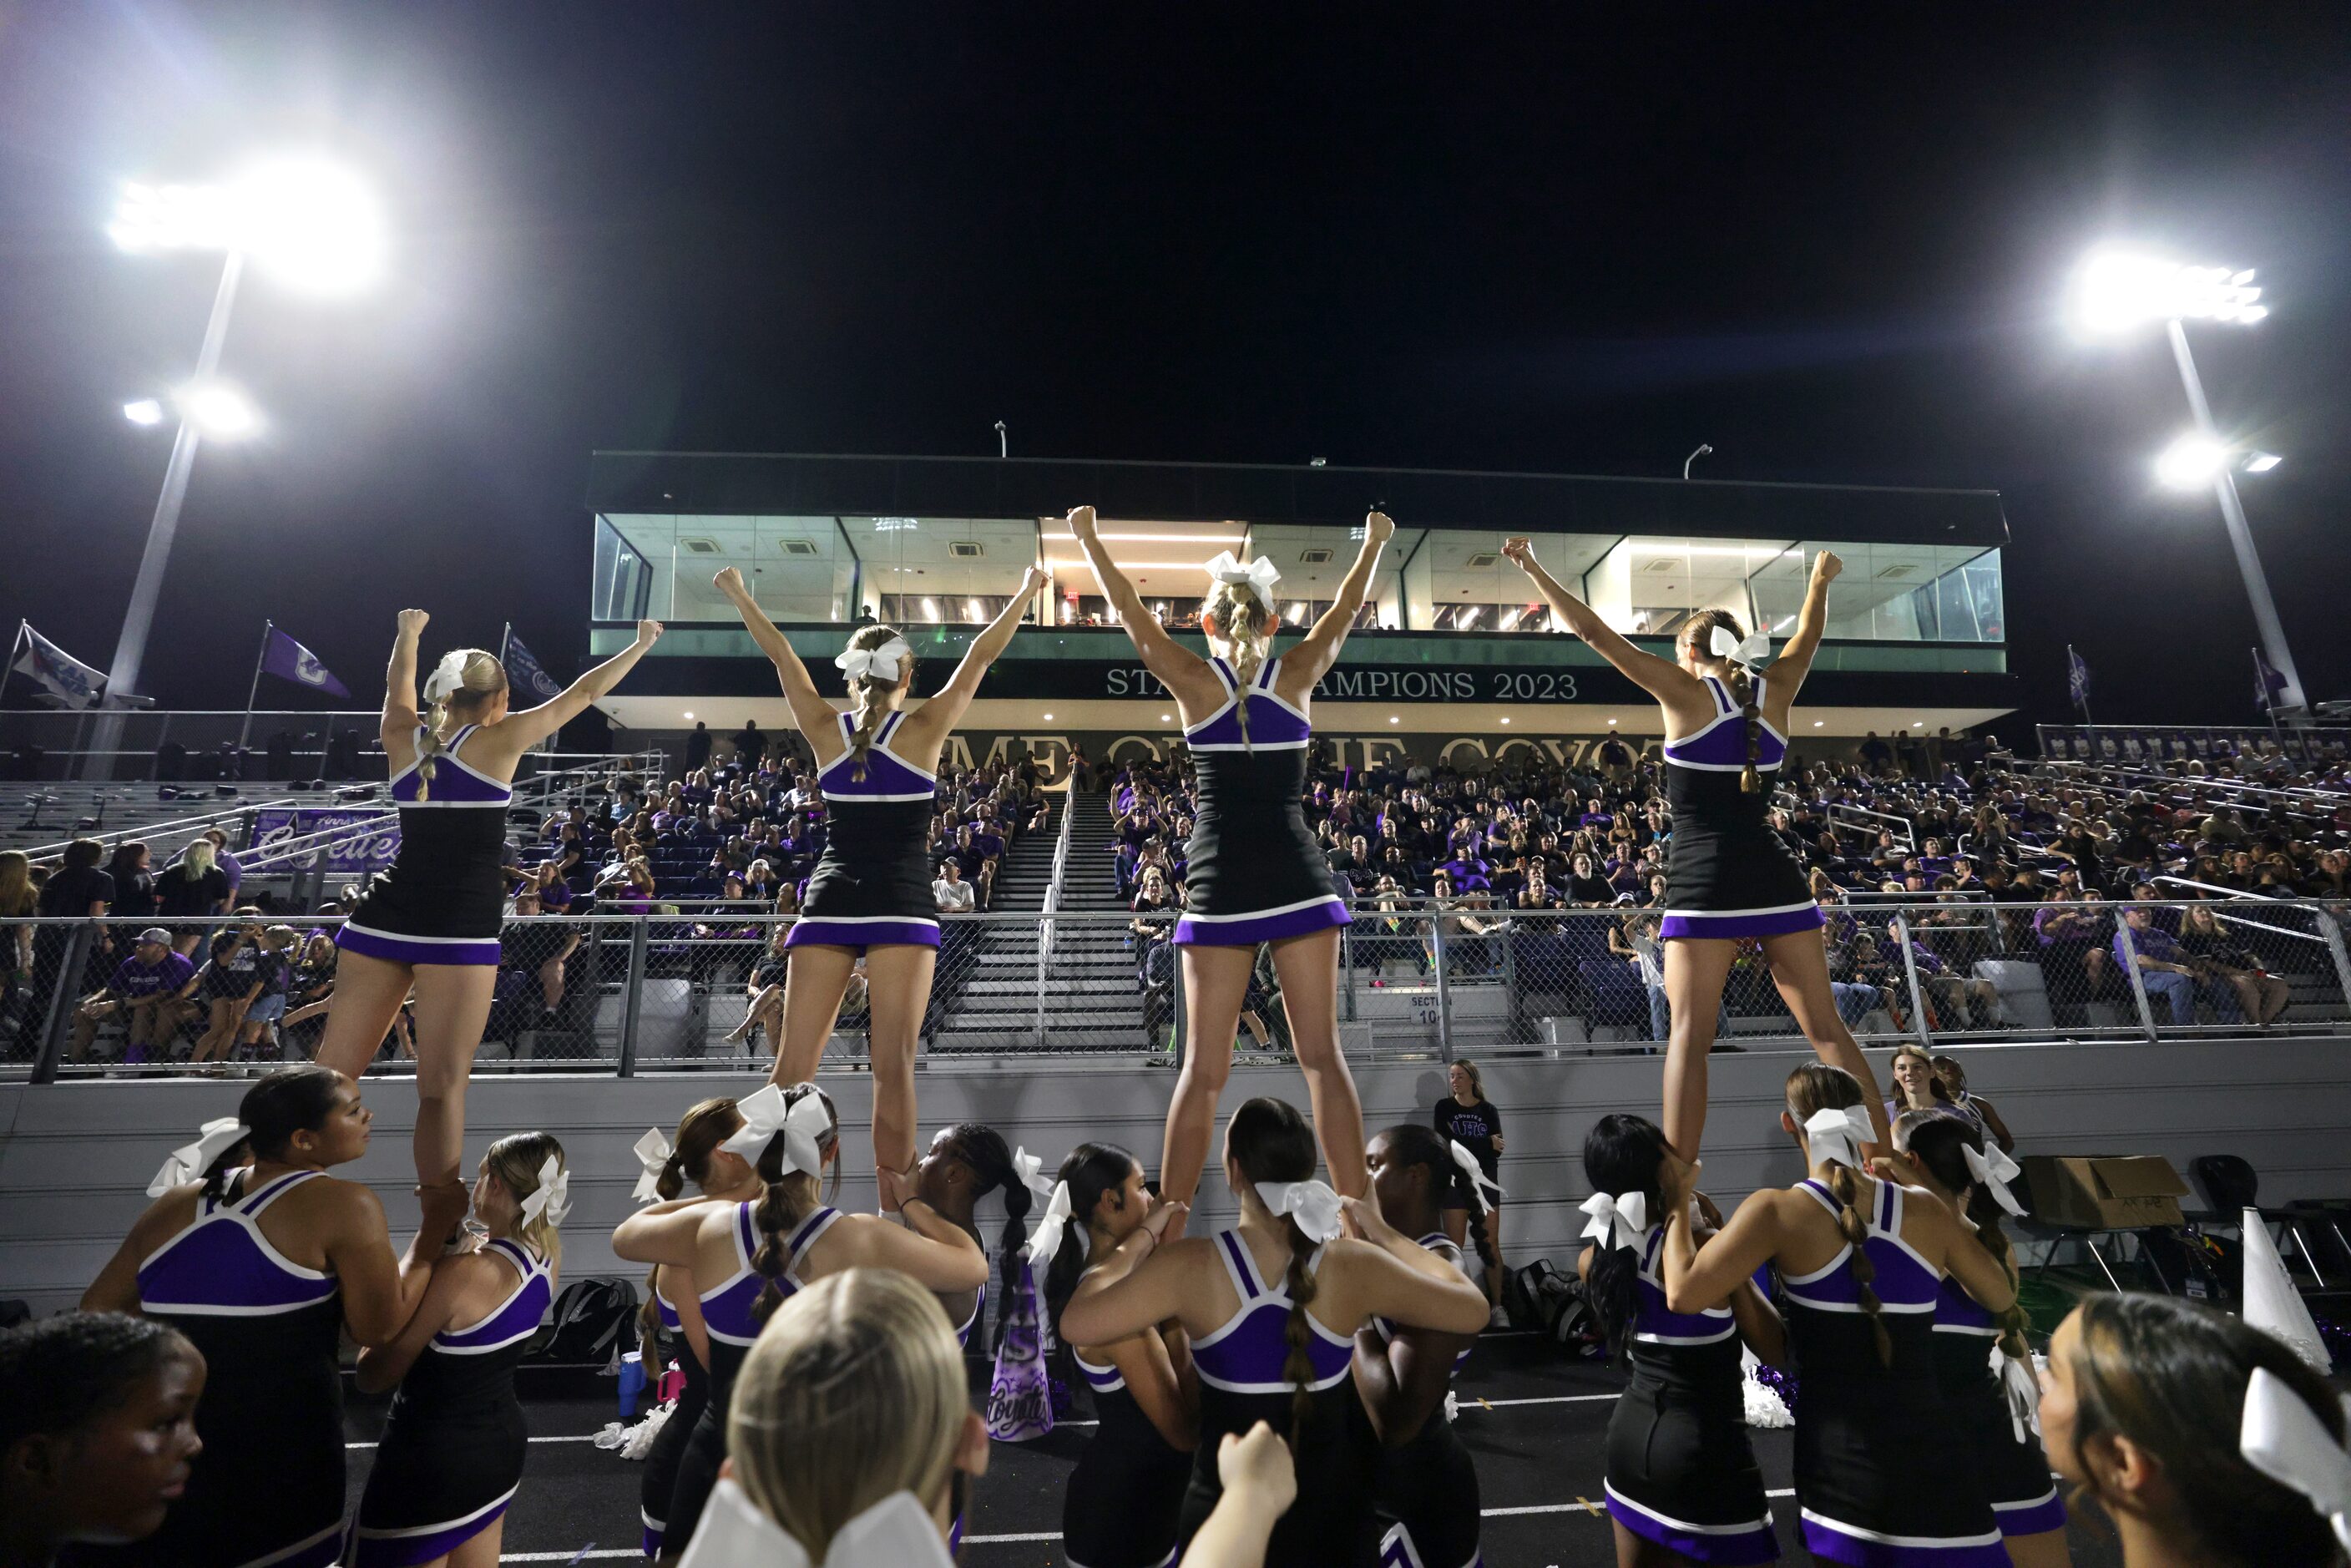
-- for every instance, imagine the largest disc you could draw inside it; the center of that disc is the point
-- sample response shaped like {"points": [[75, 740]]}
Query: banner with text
{"points": [[363, 839]]}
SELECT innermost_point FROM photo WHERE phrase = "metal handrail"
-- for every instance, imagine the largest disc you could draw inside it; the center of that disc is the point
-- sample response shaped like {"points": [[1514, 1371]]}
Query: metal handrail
{"points": [[229, 811], [1901, 825]]}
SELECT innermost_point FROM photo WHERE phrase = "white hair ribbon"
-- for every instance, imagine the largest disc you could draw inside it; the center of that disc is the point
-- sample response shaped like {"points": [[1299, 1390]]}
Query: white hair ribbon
{"points": [[653, 1151], [1626, 1214], [2022, 1388], [881, 664], [1993, 1170], [1310, 1203], [1748, 654], [2283, 1438], [1838, 1134], [897, 1532], [189, 1162], [553, 1197], [1046, 1239], [1258, 575], [804, 1123], [1030, 1170], [446, 677], [1478, 1180]]}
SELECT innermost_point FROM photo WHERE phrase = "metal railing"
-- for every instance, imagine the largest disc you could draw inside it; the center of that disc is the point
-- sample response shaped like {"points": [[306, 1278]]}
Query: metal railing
{"points": [[678, 991]]}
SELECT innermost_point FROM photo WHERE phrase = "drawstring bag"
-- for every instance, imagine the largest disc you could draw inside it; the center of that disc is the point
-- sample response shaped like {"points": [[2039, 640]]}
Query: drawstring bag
{"points": [[1020, 1394]]}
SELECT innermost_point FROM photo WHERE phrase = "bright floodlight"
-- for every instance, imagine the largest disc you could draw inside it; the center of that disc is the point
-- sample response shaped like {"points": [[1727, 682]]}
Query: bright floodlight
{"points": [[2191, 462], [219, 411], [2262, 462], [146, 411], [310, 224], [2115, 291]]}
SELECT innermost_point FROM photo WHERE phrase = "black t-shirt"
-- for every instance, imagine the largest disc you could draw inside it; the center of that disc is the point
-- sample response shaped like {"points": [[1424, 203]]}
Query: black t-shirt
{"points": [[770, 970], [177, 893], [1474, 1127], [73, 891]]}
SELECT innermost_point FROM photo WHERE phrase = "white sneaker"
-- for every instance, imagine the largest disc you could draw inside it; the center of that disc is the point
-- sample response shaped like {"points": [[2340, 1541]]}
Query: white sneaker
{"points": [[1499, 1319]]}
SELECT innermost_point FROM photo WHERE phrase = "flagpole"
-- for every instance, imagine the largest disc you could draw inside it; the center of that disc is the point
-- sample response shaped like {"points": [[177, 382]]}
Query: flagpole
{"points": [[2073, 663], [10, 667], [253, 692]]}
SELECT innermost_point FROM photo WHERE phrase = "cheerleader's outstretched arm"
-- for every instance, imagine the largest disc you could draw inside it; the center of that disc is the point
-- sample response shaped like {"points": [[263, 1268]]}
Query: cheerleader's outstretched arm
{"points": [[1176, 667], [1320, 649], [519, 732], [1661, 678], [810, 711], [985, 650], [1787, 672]]}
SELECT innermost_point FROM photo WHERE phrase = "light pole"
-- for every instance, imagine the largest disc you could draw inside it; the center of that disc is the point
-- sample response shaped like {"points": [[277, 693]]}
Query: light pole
{"points": [[313, 228], [2114, 293]]}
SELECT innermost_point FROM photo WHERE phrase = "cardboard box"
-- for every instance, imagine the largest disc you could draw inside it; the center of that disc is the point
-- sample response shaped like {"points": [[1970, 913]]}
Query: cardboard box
{"points": [[2105, 1192]]}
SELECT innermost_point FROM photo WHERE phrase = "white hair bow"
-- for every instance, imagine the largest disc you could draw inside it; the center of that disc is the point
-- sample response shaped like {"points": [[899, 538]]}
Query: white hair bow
{"points": [[1627, 1214], [446, 677], [1258, 575], [2283, 1438], [1046, 1239], [1030, 1170], [2022, 1388], [653, 1151], [553, 1197], [1748, 654], [804, 1123], [882, 664], [1838, 1134], [1478, 1180], [1310, 1203], [895, 1533], [1993, 1170], [191, 1161]]}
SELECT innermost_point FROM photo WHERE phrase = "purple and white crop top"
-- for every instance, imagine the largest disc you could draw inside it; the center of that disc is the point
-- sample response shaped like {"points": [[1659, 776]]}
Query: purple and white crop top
{"points": [[1273, 724], [1721, 746], [222, 1265], [1246, 1353]]}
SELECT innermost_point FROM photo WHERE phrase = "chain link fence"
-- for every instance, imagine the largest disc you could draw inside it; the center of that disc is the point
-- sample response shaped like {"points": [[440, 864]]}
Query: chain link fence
{"points": [[683, 990]]}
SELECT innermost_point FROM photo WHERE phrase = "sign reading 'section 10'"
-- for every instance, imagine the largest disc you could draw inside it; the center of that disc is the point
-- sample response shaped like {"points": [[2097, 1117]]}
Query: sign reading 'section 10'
{"points": [[1409, 684]]}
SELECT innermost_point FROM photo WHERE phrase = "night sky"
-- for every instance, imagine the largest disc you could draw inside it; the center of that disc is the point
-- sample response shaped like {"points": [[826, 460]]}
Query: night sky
{"points": [[1830, 240]]}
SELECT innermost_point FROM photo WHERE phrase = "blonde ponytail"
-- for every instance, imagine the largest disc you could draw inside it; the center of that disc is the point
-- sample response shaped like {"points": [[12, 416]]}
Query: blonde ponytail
{"points": [[865, 693], [1248, 625], [464, 681]]}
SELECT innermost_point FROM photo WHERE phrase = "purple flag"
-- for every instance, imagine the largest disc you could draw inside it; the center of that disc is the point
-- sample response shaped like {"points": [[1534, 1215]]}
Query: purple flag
{"points": [[288, 660]]}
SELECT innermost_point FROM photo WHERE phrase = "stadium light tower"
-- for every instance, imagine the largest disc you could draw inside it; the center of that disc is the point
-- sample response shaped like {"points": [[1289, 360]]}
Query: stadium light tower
{"points": [[2114, 293], [306, 222]]}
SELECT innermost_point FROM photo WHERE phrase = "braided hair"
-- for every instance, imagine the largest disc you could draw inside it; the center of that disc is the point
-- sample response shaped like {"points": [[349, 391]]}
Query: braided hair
{"points": [[700, 1130], [1817, 1086], [291, 1100], [1091, 1170], [865, 693], [1269, 1141], [1936, 1139], [1414, 1144], [1248, 625], [1621, 1153], [1699, 635], [787, 1197], [983, 1148]]}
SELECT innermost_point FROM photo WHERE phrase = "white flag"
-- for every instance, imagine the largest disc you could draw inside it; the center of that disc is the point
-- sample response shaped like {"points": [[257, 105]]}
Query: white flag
{"points": [[69, 681]]}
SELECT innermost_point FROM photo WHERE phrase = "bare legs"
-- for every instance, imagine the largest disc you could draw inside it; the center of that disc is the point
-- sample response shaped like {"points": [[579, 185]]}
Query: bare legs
{"points": [[1216, 981], [899, 987], [453, 1003], [1800, 967]]}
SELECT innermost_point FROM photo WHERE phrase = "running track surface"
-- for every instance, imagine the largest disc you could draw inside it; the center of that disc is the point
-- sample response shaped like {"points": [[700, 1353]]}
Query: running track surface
{"points": [[1536, 1424]]}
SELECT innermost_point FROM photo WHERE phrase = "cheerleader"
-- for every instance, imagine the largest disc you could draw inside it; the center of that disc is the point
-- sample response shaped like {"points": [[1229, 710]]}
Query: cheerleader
{"points": [[1254, 872], [747, 1257], [965, 1163], [262, 1266], [1946, 1154], [1122, 1505], [670, 1328], [1682, 1482], [1426, 1489], [1883, 1477], [877, 767], [1727, 876], [2207, 1440], [432, 921], [451, 1455], [1272, 1306]]}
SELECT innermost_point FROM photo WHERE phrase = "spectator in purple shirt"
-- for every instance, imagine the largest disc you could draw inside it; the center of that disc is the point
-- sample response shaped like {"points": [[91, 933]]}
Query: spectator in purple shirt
{"points": [[226, 860], [148, 987], [2164, 966]]}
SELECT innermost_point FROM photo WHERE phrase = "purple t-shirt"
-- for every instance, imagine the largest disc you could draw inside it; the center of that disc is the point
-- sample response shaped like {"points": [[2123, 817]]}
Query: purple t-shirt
{"points": [[133, 979]]}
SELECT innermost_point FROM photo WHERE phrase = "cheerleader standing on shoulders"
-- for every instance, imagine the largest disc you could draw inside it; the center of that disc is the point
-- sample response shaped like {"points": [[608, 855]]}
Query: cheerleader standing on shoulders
{"points": [[1945, 1153], [1883, 1478], [454, 1442], [964, 1164], [1254, 872], [670, 1327], [877, 767], [1682, 1482], [1427, 1488], [1272, 1306], [749, 1256], [432, 921], [1728, 877], [1126, 1496], [262, 1266]]}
